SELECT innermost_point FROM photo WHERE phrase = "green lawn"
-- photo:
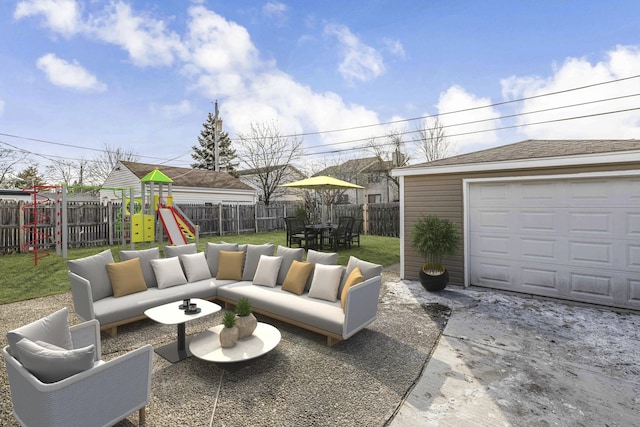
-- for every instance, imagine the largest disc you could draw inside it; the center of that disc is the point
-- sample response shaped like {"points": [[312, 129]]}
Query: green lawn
{"points": [[21, 280]]}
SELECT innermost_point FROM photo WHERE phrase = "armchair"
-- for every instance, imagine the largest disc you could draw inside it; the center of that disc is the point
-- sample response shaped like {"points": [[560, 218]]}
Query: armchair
{"points": [[100, 396]]}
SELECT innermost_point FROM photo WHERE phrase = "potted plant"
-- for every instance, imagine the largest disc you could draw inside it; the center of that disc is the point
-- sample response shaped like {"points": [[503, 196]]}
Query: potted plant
{"points": [[246, 321], [229, 334], [433, 238]]}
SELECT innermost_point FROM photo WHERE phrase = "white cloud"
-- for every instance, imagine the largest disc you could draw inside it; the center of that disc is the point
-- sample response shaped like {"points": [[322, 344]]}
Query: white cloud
{"points": [[276, 12], [69, 74], [173, 111], [623, 61], [470, 136], [395, 48], [146, 40], [360, 61], [62, 16]]}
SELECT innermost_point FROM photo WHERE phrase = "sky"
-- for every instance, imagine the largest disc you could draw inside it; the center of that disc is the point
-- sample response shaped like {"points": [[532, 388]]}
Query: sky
{"points": [[78, 76]]}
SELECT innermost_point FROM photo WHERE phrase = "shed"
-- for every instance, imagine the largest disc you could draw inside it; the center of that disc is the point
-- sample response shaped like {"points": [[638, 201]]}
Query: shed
{"points": [[558, 218], [189, 185]]}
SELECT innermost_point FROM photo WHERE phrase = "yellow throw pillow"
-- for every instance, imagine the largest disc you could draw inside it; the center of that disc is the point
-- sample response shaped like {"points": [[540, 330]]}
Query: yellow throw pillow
{"points": [[354, 278], [230, 265], [297, 277], [126, 277]]}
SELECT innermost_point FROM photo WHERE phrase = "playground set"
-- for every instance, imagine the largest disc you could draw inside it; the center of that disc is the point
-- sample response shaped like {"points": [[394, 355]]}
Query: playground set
{"points": [[138, 221]]}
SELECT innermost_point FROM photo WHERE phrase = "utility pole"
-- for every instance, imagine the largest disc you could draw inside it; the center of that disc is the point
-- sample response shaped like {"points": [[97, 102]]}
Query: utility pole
{"points": [[217, 128]]}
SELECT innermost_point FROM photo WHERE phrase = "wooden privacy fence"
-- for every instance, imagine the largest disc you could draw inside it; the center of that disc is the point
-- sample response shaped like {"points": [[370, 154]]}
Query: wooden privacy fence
{"points": [[94, 224]]}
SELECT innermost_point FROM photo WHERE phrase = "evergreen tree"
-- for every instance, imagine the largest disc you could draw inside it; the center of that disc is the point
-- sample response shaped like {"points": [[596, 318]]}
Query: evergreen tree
{"points": [[28, 177], [204, 154]]}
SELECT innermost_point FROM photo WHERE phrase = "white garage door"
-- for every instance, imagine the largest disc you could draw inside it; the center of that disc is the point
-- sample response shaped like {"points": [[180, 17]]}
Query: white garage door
{"points": [[576, 239]]}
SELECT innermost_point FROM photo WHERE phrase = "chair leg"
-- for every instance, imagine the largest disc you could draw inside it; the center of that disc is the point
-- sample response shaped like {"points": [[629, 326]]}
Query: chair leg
{"points": [[142, 416]]}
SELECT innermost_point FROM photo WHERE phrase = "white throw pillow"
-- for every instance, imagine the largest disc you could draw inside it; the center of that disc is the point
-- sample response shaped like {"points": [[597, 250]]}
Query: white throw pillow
{"points": [[168, 272], [326, 281], [195, 266], [267, 271], [50, 366]]}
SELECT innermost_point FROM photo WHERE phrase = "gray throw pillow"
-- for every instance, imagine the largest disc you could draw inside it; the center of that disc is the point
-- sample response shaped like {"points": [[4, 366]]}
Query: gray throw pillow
{"points": [[195, 266], [288, 255], [94, 269], [168, 272], [171, 251], [50, 366], [53, 329], [213, 254], [368, 270], [253, 257], [145, 256]]}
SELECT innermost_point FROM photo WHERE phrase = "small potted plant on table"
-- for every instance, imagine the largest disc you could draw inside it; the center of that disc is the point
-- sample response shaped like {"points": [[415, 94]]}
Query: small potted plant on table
{"points": [[229, 334], [246, 321], [433, 238]]}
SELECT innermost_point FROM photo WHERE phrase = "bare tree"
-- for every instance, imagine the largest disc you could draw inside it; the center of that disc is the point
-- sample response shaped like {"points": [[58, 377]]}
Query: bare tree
{"points": [[8, 160], [268, 153], [433, 140], [70, 172], [390, 153], [104, 163]]}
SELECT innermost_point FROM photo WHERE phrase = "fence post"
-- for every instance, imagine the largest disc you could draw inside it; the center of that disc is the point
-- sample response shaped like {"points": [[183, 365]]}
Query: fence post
{"points": [[220, 218], [255, 215], [21, 237], [365, 218]]}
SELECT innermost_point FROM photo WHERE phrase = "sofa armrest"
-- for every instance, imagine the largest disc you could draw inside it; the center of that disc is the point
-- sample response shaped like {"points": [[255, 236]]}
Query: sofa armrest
{"points": [[118, 387], [85, 334], [361, 305], [82, 297]]}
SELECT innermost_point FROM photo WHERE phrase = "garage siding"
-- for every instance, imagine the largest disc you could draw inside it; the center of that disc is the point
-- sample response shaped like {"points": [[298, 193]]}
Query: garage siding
{"points": [[441, 195]]}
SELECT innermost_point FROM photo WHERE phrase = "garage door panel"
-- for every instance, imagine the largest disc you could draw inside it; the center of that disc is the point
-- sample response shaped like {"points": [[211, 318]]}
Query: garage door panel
{"points": [[577, 239]]}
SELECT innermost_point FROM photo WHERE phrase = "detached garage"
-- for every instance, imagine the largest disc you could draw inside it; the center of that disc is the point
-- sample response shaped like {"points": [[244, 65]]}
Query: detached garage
{"points": [[551, 218]]}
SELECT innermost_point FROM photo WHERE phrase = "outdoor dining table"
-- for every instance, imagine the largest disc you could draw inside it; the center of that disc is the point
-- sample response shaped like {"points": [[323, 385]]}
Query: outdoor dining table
{"points": [[323, 231]]}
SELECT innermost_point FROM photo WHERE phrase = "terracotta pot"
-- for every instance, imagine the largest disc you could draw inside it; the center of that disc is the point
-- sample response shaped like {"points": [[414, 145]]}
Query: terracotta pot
{"points": [[228, 337], [434, 283], [246, 325]]}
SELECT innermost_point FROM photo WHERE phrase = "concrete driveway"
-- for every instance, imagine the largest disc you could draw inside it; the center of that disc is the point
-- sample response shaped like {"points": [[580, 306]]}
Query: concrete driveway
{"points": [[512, 360]]}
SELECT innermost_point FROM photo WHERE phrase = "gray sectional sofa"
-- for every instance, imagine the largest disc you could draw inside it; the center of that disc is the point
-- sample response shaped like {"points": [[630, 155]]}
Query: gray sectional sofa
{"points": [[273, 279]]}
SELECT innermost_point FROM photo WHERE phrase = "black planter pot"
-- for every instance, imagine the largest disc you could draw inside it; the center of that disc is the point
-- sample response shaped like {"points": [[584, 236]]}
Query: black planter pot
{"points": [[434, 283]]}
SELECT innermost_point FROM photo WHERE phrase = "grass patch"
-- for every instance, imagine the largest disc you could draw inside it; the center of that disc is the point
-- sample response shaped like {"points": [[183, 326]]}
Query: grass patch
{"points": [[20, 280]]}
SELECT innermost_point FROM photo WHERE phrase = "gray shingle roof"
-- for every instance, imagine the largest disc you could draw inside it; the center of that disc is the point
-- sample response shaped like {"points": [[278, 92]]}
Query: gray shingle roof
{"points": [[537, 149], [187, 177]]}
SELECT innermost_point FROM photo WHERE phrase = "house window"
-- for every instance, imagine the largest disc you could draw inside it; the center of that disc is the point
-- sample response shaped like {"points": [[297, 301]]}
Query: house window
{"points": [[343, 199], [374, 198], [374, 178]]}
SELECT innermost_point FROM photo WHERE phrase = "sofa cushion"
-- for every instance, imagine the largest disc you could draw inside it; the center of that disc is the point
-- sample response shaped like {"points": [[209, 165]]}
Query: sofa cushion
{"points": [[353, 279], [230, 265], [54, 365], [213, 253], [168, 272], [253, 257], [126, 277], [94, 269], [368, 270], [195, 266], [267, 270], [299, 308], [145, 256], [174, 251], [288, 256], [297, 277], [53, 329], [322, 257], [325, 283]]}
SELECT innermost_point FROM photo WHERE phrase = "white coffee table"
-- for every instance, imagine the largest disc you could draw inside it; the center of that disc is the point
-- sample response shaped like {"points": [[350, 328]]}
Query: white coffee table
{"points": [[206, 344], [171, 314]]}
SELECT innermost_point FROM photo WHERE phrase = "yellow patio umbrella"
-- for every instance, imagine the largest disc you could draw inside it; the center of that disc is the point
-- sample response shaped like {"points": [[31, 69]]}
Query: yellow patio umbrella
{"points": [[322, 183]]}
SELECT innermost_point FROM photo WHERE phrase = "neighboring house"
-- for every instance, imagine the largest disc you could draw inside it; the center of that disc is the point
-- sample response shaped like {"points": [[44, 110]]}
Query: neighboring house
{"points": [[251, 177], [369, 173], [189, 185], [553, 218]]}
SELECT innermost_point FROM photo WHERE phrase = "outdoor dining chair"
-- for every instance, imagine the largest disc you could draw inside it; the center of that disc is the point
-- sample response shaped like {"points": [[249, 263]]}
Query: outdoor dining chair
{"points": [[354, 232], [339, 235]]}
